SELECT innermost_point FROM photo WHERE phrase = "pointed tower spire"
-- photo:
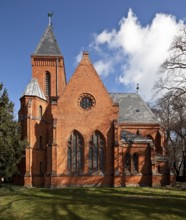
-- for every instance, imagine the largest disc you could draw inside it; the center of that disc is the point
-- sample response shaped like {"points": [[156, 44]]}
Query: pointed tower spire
{"points": [[48, 45]]}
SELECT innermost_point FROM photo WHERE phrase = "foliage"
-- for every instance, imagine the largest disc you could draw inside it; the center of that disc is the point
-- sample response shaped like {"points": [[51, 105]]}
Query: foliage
{"points": [[92, 203], [11, 146]]}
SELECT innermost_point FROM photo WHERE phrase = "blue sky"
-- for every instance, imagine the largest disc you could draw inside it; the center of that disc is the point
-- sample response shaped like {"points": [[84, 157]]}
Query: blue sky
{"points": [[120, 35]]}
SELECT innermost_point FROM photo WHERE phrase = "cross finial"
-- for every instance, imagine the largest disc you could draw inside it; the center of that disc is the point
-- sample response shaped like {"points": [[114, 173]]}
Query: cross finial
{"points": [[50, 18], [137, 88]]}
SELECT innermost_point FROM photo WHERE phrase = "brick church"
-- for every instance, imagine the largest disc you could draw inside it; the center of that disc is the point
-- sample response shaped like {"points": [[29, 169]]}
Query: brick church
{"points": [[79, 134]]}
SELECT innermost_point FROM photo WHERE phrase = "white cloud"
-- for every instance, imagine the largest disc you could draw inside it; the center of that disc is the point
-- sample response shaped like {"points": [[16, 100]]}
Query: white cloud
{"points": [[79, 56], [104, 67], [138, 50]]}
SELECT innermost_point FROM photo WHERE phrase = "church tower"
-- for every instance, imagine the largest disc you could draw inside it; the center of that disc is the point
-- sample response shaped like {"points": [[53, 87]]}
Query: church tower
{"points": [[38, 106]]}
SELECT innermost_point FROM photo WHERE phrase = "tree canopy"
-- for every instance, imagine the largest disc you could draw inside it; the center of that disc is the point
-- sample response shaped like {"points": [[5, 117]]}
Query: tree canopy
{"points": [[11, 145]]}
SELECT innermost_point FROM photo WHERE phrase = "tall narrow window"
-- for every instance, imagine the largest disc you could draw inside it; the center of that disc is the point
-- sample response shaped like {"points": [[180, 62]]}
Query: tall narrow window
{"points": [[102, 159], [80, 158], [69, 158], [40, 111], [158, 146], [75, 152], [91, 158], [96, 152], [47, 84], [128, 161], [135, 162]]}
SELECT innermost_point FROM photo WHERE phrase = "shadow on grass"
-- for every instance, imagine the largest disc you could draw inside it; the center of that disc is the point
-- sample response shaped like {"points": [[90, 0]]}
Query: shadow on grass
{"points": [[92, 203]]}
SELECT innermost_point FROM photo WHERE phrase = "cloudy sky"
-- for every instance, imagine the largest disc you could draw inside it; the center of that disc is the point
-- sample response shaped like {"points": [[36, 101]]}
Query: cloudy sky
{"points": [[127, 39]]}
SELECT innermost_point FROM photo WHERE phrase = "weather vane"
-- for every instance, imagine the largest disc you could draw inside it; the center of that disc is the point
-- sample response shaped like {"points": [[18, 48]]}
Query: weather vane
{"points": [[50, 18], [137, 88]]}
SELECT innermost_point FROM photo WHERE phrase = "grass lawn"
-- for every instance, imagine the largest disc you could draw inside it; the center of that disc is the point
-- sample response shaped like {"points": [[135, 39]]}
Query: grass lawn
{"points": [[92, 203]]}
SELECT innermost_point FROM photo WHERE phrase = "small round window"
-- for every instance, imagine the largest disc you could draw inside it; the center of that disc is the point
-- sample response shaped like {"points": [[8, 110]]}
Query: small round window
{"points": [[86, 101]]}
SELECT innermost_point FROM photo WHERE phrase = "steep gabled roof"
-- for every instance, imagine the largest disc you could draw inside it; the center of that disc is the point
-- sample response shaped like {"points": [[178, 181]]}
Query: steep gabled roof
{"points": [[133, 109], [33, 89], [47, 45]]}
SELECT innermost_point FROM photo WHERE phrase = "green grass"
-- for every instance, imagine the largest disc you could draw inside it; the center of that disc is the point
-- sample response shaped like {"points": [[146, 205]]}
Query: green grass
{"points": [[92, 203]]}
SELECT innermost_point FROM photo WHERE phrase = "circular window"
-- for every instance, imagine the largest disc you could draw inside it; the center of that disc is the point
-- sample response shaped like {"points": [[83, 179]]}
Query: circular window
{"points": [[86, 101]]}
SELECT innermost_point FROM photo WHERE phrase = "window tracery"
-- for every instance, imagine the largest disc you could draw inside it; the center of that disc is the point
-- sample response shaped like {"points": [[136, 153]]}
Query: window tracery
{"points": [[86, 101], [75, 152], [96, 152]]}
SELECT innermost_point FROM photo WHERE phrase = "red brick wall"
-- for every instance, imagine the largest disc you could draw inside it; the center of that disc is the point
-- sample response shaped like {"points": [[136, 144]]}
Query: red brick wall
{"points": [[70, 116], [54, 65]]}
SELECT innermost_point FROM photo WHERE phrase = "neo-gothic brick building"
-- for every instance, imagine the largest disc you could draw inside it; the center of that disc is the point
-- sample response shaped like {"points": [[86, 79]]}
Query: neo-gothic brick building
{"points": [[79, 134]]}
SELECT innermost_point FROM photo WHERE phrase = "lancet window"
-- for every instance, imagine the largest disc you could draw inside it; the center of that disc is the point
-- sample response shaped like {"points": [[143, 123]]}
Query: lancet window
{"points": [[96, 152], [40, 111], [75, 151], [47, 84]]}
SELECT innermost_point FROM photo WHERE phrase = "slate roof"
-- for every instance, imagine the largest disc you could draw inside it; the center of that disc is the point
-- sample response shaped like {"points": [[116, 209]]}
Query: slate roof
{"points": [[132, 109], [48, 44], [33, 89]]}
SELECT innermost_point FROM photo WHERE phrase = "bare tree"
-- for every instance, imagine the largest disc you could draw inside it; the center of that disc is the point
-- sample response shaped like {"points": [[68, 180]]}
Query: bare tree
{"points": [[171, 107], [171, 111], [172, 75]]}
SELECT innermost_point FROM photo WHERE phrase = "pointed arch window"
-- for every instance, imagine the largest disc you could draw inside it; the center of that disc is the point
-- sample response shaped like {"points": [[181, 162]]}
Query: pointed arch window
{"points": [[47, 84], [40, 111], [96, 152], [75, 153]]}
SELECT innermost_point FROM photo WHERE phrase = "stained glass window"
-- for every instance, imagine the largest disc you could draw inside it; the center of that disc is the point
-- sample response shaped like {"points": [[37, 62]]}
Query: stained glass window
{"points": [[96, 152], [86, 101], [75, 152]]}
